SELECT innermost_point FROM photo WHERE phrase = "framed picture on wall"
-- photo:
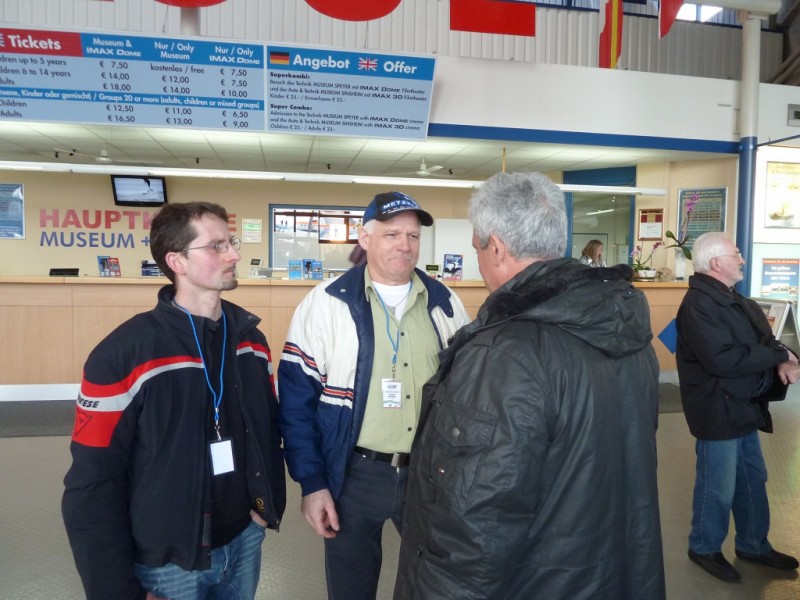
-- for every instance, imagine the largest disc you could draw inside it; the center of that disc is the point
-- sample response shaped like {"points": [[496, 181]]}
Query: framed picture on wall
{"points": [[782, 195], [700, 211], [651, 224]]}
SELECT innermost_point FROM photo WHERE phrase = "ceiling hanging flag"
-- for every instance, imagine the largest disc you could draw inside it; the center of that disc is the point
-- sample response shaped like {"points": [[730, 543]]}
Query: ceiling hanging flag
{"points": [[610, 26], [191, 3], [667, 13], [509, 17]]}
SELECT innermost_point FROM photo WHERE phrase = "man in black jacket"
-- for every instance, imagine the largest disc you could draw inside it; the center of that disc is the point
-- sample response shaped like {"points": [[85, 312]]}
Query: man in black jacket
{"points": [[730, 366], [533, 474], [177, 467]]}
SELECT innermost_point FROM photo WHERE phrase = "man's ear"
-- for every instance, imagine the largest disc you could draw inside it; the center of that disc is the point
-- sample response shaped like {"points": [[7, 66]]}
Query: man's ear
{"points": [[363, 238], [497, 249], [177, 262]]}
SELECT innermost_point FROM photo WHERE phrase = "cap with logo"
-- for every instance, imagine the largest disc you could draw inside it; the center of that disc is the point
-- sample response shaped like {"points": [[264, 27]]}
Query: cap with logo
{"points": [[390, 204]]}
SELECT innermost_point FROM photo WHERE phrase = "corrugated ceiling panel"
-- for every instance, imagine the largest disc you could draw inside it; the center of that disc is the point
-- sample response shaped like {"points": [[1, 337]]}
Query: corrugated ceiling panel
{"points": [[566, 37]]}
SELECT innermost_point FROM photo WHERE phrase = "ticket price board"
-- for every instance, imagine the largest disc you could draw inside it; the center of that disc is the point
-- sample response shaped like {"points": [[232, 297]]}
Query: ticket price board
{"points": [[196, 83], [130, 80]]}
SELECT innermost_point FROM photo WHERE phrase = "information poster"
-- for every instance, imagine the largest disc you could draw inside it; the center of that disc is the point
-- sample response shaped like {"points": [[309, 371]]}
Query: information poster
{"points": [[707, 212], [783, 195], [330, 92], [12, 211], [779, 278], [196, 83]]}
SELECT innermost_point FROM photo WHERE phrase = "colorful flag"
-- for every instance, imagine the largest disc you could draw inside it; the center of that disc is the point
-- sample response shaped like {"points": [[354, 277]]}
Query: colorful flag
{"points": [[610, 26], [667, 12], [367, 64], [509, 17], [279, 58]]}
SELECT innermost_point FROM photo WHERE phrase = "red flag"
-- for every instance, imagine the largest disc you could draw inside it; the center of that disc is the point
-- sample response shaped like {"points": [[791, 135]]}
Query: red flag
{"points": [[493, 16], [667, 11], [610, 33]]}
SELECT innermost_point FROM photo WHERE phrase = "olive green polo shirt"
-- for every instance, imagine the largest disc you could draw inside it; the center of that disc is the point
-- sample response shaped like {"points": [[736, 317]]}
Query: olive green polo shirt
{"points": [[392, 429]]}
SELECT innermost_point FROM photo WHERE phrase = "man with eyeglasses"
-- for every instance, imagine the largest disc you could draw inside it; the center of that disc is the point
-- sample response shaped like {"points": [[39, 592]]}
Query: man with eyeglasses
{"points": [[730, 367], [177, 467]]}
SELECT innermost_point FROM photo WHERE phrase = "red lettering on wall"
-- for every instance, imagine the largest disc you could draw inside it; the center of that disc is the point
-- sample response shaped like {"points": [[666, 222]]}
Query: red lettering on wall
{"points": [[493, 16], [112, 216], [355, 10], [45, 216]]}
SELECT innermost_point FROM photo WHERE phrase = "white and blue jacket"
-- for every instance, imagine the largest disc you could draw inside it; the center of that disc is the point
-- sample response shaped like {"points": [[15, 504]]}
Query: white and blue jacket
{"points": [[325, 370]]}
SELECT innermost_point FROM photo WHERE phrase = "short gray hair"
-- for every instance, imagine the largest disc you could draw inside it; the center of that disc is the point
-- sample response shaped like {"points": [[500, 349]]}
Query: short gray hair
{"points": [[708, 246], [525, 210]]}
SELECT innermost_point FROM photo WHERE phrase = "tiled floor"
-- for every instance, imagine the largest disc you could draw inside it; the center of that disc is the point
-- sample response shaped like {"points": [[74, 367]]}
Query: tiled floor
{"points": [[36, 564]]}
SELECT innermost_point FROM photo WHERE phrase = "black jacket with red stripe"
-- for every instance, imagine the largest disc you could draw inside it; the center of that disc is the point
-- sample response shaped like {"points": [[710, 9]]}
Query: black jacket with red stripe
{"points": [[139, 486]]}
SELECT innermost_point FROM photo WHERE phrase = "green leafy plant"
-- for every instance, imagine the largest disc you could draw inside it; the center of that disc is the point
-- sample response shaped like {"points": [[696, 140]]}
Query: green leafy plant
{"points": [[683, 237], [640, 262]]}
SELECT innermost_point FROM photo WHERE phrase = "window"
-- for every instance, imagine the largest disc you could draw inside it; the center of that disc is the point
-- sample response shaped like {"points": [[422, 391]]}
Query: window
{"points": [[307, 232]]}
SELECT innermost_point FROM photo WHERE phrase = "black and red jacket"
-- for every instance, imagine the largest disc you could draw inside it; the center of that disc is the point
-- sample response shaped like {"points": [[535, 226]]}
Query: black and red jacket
{"points": [[139, 486]]}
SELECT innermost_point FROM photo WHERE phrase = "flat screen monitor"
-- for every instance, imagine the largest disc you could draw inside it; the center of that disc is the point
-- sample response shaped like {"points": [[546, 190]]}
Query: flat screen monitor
{"points": [[135, 190]]}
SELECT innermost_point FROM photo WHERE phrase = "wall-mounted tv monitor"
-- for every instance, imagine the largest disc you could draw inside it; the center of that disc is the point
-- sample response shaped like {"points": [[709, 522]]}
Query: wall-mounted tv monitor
{"points": [[135, 190]]}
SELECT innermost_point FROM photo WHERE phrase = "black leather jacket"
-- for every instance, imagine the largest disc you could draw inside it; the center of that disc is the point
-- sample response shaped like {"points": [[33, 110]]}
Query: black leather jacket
{"points": [[534, 472], [726, 358]]}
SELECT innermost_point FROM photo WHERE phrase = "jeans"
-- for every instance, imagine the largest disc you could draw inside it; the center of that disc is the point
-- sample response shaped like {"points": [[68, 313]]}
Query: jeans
{"points": [[235, 569], [373, 492], [731, 476]]}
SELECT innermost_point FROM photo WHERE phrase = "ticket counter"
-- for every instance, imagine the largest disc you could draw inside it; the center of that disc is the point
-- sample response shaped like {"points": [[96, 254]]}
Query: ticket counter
{"points": [[50, 324]]}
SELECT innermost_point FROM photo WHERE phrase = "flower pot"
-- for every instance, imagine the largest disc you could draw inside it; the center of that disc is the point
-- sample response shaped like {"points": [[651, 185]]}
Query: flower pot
{"points": [[645, 274]]}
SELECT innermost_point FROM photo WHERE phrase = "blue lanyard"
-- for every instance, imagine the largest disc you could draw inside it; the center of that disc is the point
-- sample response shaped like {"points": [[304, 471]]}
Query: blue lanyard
{"points": [[217, 398], [395, 342]]}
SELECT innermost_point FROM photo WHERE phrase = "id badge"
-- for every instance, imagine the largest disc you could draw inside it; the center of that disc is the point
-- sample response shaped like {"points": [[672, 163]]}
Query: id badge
{"points": [[221, 456], [392, 393]]}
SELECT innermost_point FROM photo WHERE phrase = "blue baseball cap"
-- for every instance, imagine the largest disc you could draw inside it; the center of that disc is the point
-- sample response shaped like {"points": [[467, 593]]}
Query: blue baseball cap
{"points": [[390, 204]]}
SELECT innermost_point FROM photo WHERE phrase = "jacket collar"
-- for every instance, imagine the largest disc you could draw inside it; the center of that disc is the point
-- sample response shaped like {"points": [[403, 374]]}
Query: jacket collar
{"points": [[350, 289]]}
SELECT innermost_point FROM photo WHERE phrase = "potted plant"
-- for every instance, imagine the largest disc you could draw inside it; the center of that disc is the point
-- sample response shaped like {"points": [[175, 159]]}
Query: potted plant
{"points": [[642, 269], [680, 241]]}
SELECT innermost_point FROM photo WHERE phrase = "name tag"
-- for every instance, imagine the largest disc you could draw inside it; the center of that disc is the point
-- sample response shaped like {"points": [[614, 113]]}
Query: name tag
{"points": [[392, 393], [222, 456]]}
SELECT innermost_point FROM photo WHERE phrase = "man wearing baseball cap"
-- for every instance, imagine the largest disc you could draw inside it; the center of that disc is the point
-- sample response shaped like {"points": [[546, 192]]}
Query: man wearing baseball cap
{"points": [[359, 349]]}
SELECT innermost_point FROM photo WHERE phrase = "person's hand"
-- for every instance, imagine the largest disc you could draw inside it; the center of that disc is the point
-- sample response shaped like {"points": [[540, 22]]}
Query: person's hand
{"points": [[789, 372], [257, 518], [151, 596], [320, 512]]}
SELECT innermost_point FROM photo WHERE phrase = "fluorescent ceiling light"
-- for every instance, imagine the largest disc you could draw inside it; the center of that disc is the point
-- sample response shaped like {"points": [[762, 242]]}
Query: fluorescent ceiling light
{"points": [[420, 181], [600, 212], [113, 169], [612, 189]]}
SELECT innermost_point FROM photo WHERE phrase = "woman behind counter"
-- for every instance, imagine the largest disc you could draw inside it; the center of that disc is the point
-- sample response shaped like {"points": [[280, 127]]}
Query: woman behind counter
{"points": [[592, 254]]}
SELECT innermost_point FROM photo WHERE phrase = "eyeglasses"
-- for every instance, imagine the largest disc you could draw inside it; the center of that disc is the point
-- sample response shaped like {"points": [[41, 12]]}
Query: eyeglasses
{"points": [[737, 255], [219, 247]]}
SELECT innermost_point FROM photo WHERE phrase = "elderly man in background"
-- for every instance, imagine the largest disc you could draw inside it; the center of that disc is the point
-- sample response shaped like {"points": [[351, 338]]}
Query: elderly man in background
{"points": [[730, 366], [358, 352], [534, 471]]}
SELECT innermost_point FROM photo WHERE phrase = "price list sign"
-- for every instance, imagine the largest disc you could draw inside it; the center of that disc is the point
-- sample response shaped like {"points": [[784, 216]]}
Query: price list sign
{"points": [[130, 80], [330, 92]]}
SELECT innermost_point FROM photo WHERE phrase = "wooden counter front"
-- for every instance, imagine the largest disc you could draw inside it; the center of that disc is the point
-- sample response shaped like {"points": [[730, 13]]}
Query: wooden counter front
{"points": [[50, 324]]}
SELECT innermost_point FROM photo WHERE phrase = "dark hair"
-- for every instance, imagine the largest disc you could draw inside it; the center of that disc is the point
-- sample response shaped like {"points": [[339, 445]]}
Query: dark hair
{"points": [[172, 229]]}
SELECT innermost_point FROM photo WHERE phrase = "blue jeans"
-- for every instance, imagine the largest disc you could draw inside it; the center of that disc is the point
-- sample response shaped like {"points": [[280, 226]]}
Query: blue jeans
{"points": [[235, 569], [731, 476], [373, 492]]}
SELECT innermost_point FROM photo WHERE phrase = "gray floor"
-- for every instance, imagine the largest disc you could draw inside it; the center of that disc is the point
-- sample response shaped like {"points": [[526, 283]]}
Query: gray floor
{"points": [[35, 562]]}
